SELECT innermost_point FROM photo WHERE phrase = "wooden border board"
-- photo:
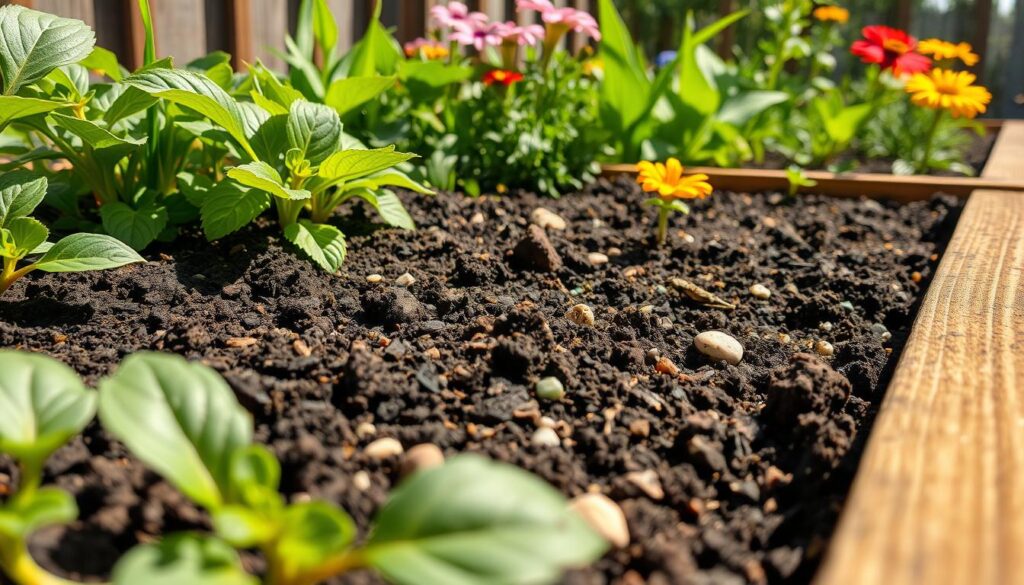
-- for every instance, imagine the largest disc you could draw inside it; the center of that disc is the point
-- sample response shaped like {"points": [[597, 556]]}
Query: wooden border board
{"points": [[939, 496]]}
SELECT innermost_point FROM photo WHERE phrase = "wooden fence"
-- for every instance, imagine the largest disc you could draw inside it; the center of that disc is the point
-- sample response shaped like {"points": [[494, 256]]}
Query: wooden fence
{"points": [[248, 29]]}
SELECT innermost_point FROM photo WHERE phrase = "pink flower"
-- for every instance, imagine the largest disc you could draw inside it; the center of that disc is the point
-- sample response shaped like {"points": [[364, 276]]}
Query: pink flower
{"points": [[541, 6], [576, 20], [478, 35], [530, 34], [455, 14]]}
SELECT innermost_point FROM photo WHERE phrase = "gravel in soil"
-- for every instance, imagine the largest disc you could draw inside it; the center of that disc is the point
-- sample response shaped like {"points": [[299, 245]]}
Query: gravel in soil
{"points": [[726, 473]]}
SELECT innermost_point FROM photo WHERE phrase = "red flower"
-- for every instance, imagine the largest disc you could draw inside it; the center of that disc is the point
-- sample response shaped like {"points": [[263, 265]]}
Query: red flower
{"points": [[502, 76], [891, 48]]}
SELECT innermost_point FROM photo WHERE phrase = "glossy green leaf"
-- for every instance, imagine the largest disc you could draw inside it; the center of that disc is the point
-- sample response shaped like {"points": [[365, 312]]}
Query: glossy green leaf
{"points": [[345, 95], [377, 53], [103, 61], [28, 233], [475, 521], [324, 244], [136, 227], [739, 109], [242, 527], [83, 252], [128, 103], [14, 107], [20, 194], [626, 87], [389, 178], [390, 208], [181, 559], [314, 129], [44, 403], [179, 418], [262, 176], [34, 43], [269, 86], [355, 164], [325, 30], [311, 534], [228, 207], [197, 92], [46, 506], [271, 140], [107, 146]]}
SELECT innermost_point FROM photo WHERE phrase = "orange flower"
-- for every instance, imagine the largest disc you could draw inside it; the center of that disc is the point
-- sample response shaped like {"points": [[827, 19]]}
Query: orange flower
{"points": [[667, 180], [832, 14], [941, 50], [502, 76]]}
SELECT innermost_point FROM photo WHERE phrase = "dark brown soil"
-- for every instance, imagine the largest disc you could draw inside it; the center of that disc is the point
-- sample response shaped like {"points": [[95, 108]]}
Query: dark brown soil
{"points": [[754, 460]]}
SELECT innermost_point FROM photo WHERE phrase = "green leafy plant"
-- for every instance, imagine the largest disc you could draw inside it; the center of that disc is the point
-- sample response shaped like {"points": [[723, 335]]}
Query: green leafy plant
{"points": [[469, 521], [24, 237]]}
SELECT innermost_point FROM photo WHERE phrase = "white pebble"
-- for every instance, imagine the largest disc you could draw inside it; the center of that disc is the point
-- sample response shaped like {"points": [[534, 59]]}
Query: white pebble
{"points": [[366, 429], [648, 482], [422, 456], [581, 315], [405, 280], [824, 348], [719, 346], [374, 278], [546, 218], [545, 437], [385, 448], [604, 516], [597, 258], [760, 291], [361, 480]]}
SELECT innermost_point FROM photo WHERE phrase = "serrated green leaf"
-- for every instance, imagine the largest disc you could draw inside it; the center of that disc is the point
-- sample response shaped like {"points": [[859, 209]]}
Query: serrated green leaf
{"points": [[34, 43], [228, 207], [47, 506], [325, 244], [262, 176], [345, 95], [135, 227], [355, 164], [44, 404], [20, 194], [197, 92], [182, 558], [83, 252], [477, 521], [105, 145], [14, 107], [179, 418], [315, 130], [28, 233], [390, 208]]}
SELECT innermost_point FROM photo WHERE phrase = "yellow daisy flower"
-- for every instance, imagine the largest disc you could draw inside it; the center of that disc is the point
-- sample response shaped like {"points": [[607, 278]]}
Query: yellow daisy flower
{"points": [[949, 90], [942, 50], [832, 14], [667, 180]]}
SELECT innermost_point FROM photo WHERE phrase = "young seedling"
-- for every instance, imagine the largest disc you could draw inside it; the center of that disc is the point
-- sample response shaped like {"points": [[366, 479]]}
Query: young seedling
{"points": [[667, 182], [798, 179], [469, 521], [22, 236]]}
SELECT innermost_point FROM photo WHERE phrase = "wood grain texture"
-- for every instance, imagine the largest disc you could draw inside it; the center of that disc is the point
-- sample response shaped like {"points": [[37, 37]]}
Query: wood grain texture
{"points": [[180, 27], [939, 497], [269, 21]]}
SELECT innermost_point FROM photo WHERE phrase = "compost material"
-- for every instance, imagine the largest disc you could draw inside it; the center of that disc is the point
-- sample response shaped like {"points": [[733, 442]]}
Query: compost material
{"points": [[726, 473]]}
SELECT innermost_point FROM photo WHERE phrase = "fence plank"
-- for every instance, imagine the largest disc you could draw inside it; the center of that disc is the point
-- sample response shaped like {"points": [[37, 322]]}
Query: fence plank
{"points": [[180, 27], [268, 19], [240, 41], [80, 9]]}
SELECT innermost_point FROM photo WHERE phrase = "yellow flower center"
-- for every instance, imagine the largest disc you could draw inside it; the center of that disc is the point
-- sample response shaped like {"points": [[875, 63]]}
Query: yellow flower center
{"points": [[895, 45]]}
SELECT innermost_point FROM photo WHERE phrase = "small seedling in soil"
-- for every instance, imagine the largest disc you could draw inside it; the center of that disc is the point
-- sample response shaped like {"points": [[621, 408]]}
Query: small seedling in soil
{"points": [[669, 184], [468, 521], [22, 236]]}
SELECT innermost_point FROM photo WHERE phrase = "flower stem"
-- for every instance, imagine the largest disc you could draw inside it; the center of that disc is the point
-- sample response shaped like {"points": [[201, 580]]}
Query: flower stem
{"points": [[922, 166], [662, 225]]}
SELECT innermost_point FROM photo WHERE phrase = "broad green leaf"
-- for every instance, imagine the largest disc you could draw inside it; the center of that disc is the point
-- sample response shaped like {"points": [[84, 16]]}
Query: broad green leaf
{"points": [[107, 146], [253, 118], [434, 74], [325, 244], [73, 78], [345, 95], [47, 506], [389, 178], [242, 527], [355, 164], [271, 88], [377, 53], [44, 404], [262, 176], [325, 30], [739, 109], [311, 534], [34, 43], [135, 227], [179, 418], [228, 207], [475, 521], [29, 233], [390, 208], [696, 89], [180, 559], [255, 473], [271, 140], [105, 62], [14, 107], [197, 92], [20, 194], [83, 252], [314, 129], [129, 102], [626, 87]]}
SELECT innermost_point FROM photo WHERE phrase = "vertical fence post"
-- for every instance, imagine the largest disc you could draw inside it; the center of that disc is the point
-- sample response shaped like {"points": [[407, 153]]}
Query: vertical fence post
{"points": [[25, 3], [982, 26], [136, 33], [240, 32]]}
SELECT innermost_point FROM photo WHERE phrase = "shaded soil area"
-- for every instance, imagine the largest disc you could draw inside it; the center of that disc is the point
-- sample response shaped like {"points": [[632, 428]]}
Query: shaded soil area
{"points": [[726, 473]]}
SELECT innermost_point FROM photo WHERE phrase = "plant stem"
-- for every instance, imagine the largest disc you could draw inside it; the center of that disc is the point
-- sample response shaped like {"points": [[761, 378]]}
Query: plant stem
{"points": [[922, 166], [21, 568], [662, 225], [288, 211]]}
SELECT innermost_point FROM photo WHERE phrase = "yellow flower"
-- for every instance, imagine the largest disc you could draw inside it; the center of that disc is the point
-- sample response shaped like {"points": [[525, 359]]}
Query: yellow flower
{"points": [[942, 50], [949, 90], [593, 65], [668, 181], [832, 13]]}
